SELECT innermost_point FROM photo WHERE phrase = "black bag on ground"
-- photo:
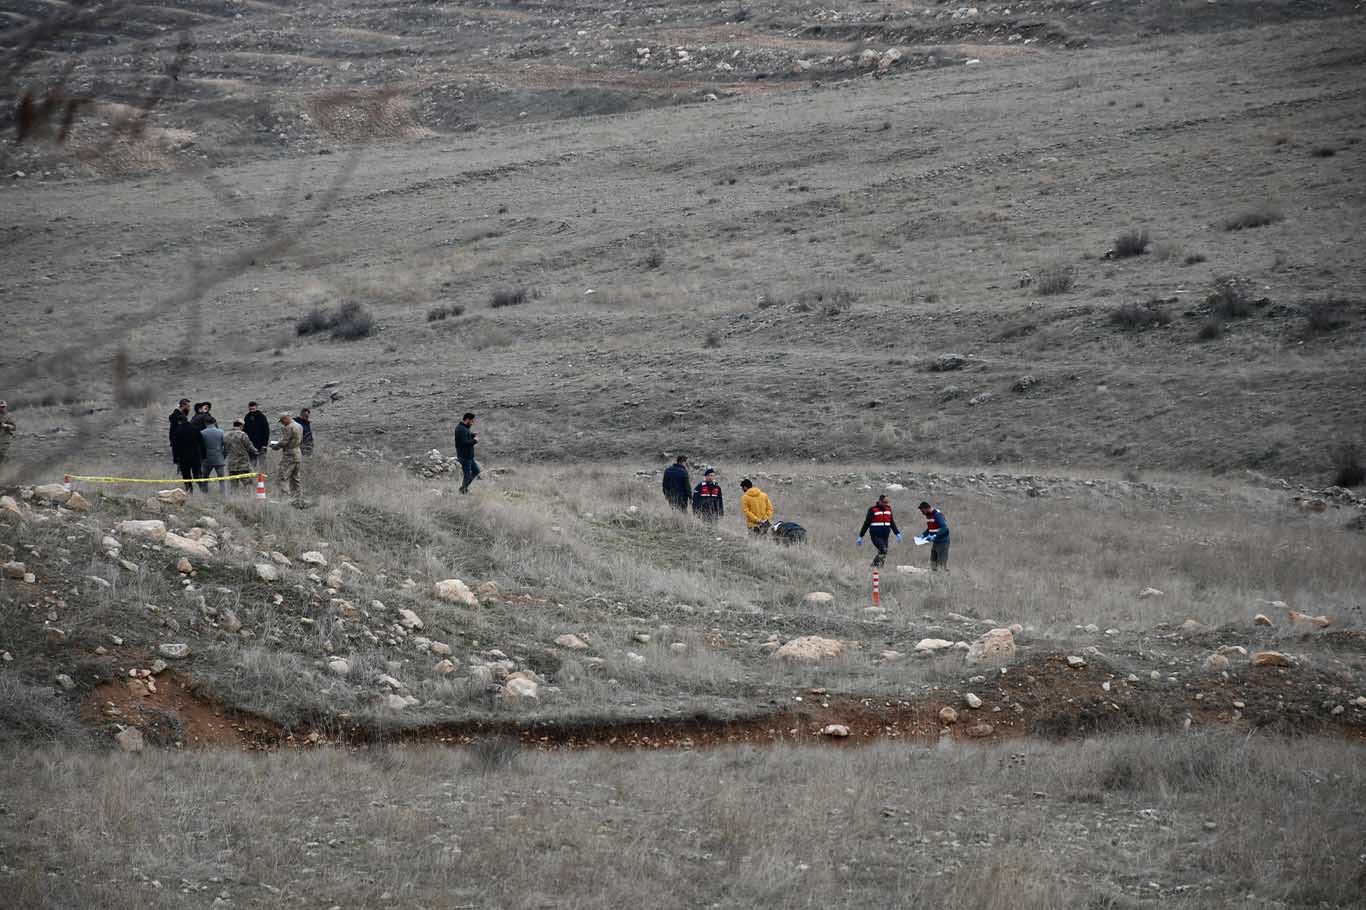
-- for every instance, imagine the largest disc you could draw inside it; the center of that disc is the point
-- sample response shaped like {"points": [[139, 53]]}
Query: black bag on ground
{"points": [[788, 532]]}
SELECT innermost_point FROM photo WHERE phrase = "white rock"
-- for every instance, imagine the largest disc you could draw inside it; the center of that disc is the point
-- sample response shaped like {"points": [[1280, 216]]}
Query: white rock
{"points": [[267, 572], [521, 687], [339, 666], [818, 598], [454, 590], [130, 739], [972, 701], [836, 730], [1261, 619], [15, 570], [571, 642], [810, 649], [408, 619], [445, 667], [913, 570], [387, 680], [1272, 659], [1076, 662], [153, 529], [926, 645], [395, 702], [994, 647], [228, 622], [1150, 592], [78, 503], [174, 651], [948, 715], [1216, 663], [8, 504], [51, 492], [313, 558], [66, 682], [175, 497], [440, 648], [186, 545]]}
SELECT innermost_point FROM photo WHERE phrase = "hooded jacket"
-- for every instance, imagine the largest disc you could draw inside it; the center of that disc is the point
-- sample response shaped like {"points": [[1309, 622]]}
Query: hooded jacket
{"points": [[677, 489], [756, 506], [187, 444]]}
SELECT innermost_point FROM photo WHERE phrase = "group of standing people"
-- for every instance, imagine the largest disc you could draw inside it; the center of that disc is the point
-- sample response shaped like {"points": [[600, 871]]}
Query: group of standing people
{"points": [[879, 525], [202, 450]]}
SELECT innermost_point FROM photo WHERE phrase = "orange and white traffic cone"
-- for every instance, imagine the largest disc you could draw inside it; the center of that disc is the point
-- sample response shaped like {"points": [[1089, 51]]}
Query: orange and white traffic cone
{"points": [[877, 593], [260, 486]]}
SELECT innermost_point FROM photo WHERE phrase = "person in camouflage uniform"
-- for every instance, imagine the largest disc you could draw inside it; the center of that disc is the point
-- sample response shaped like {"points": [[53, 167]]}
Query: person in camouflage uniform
{"points": [[241, 453], [291, 464]]}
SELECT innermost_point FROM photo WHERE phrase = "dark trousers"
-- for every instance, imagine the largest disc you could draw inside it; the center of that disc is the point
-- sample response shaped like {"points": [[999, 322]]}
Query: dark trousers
{"points": [[192, 471], [879, 541], [469, 470], [939, 555]]}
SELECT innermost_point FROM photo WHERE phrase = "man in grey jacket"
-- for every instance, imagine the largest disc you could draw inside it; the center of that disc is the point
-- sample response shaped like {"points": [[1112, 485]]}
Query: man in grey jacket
{"points": [[215, 454]]}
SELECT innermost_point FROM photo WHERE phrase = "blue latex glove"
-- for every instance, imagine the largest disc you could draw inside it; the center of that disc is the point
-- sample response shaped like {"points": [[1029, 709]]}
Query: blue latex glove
{"points": [[898, 537], [859, 542]]}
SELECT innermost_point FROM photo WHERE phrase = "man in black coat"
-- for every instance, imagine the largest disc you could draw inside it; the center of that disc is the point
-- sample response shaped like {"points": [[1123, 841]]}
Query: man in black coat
{"points": [[465, 441], [677, 489], [178, 416], [202, 413], [257, 428], [187, 445]]}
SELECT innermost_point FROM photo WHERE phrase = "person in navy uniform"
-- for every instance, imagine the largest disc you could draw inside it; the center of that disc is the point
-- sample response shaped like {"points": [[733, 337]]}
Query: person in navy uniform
{"points": [[937, 533], [707, 502]]}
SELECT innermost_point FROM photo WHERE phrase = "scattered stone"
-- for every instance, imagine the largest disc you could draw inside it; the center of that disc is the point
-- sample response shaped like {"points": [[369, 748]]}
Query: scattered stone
{"points": [[51, 492], [1233, 650], [518, 688], [172, 497], [1337, 709], [184, 566], [8, 504], [174, 651], [1024, 383], [267, 572], [313, 558], [454, 590], [1306, 621], [948, 715], [66, 682], [339, 666], [571, 642], [1150, 592], [1272, 659], [1191, 625], [1216, 663], [972, 701], [945, 363], [913, 570], [152, 529], [445, 667], [228, 622], [980, 398], [78, 503], [487, 589], [280, 559], [930, 645], [678, 647], [440, 648], [1076, 662], [186, 545], [818, 598], [15, 570], [395, 702], [409, 620], [640, 638], [130, 739], [810, 649], [836, 730], [890, 656], [55, 636], [994, 647], [158, 667], [980, 731], [1261, 619]]}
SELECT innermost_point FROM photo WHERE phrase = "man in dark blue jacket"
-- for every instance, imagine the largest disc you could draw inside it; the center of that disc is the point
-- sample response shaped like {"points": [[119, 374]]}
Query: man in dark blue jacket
{"points": [[257, 428], [937, 533], [465, 441], [677, 489]]}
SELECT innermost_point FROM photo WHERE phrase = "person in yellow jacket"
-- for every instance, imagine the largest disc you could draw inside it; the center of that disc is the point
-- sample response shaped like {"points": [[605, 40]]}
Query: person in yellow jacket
{"points": [[756, 506]]}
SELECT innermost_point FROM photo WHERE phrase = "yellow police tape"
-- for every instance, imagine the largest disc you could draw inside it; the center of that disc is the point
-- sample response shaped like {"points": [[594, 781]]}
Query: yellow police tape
{"points": [[86, 479]]}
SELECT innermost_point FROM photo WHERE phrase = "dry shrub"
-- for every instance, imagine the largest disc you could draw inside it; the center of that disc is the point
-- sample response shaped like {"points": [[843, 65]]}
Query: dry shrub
{"points": [[357, 116], [347, 322], [1347, 467], [1328, 315], [1130, 243], [508, 297], [1254, 218], [1138, 316], [34, 715], [436, 314], [1056, 278]]}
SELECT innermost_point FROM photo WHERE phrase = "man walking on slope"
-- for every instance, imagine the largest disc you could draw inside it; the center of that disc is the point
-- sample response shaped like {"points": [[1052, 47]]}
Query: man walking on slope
{"points": [[756, 506], [878, 524], [677, 486], [187, 445], [465, 441], [937, 533], [707, 502]]}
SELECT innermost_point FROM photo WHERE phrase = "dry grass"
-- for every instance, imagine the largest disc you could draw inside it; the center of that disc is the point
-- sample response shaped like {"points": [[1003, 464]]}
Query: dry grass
{"points": [[732, 828]]}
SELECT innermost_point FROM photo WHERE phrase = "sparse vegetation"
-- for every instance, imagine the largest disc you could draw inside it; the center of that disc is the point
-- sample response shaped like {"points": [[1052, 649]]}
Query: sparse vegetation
{"points": [[1327, 315], [1230, 298], [1253, 218], [1130, 243], [1146, 315], [1210, 329], [347, 322], [436, 314], [713, 339], [1194, 259], [1348, 470], [654, 259], [508, 297], [1056, 278], [1324, 151], [33, 716]]}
